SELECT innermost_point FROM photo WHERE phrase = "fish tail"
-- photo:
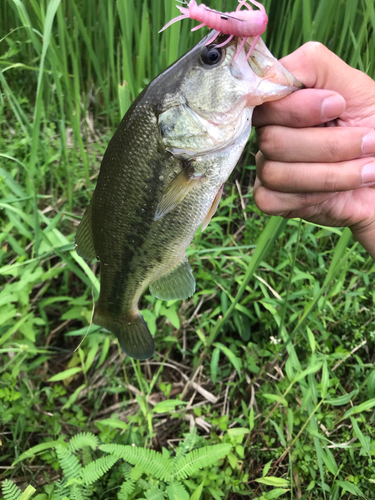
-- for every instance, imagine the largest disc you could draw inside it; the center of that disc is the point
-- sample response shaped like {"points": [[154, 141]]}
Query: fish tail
{"points": [[131, 330]]}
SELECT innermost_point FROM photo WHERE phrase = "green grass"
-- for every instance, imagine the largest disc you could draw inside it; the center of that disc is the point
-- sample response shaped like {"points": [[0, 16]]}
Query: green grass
{"points": [[273, 354]]}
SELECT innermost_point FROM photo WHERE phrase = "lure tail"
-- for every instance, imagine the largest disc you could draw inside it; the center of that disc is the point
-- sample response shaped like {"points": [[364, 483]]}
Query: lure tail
{"points": [[131, 330], [178, 18]]}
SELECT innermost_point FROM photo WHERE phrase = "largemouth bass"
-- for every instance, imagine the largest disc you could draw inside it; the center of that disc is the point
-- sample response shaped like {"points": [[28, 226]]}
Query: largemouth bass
{"points": [[162, 176]]}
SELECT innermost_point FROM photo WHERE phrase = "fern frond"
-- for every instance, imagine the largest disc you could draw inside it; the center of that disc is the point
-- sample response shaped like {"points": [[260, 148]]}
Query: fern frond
{"points": [[202, 457], [68, 462], [143, 484], [176, 491], [60, 490], [122, 495], [86, 455], [150, 461], [186, 445], [79, 441], [76, 492], [126, 470], [87, 492], [127, 488], [94, 470], [10, 490], [154, 494], [136, 473]]}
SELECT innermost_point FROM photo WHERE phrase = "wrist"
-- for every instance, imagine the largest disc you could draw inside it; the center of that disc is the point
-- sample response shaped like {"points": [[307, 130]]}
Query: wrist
{"points": [[365, 235]]}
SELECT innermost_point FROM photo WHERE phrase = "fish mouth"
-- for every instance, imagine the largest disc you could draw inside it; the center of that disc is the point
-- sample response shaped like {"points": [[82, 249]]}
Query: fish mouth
{"points": [[268, 78]]}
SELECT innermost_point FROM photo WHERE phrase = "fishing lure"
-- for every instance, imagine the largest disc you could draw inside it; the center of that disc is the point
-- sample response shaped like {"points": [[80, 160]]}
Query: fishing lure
{"points": [[241, 23]]}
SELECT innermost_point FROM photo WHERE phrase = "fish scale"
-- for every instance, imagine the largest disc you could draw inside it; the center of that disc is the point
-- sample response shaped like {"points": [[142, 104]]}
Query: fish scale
{"points": [[162, 175]]}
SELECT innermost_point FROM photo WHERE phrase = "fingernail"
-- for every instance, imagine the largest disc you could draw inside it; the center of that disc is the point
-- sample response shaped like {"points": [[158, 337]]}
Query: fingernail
{"points": [[333, 106], [368, 144], [368, 174]]}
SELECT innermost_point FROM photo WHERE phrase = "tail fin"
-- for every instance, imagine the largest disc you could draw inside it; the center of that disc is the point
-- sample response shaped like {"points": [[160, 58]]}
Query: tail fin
{"points": [[132, 332]]}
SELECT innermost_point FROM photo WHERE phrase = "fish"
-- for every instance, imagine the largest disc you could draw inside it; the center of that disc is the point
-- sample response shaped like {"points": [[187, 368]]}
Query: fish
{"points": [[162, 176]]}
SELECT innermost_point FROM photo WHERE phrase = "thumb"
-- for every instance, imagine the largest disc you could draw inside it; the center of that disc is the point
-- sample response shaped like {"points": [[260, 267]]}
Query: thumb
{"points": [[317, 67]]}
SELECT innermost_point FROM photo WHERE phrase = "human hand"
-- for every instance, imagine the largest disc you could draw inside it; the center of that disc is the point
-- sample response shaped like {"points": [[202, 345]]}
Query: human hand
{"points": [[317, 146]]}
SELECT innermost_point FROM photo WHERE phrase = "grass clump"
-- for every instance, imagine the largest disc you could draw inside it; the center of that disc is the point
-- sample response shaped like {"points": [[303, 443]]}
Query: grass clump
{"points": [[273, 356]]}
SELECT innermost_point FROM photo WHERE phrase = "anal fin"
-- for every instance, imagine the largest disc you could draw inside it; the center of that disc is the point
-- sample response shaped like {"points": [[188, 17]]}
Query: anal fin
{"points": [[176, 284], [213, 208], [84, 239]]}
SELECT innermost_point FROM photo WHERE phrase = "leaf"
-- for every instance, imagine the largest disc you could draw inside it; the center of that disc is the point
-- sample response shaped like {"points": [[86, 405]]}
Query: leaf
{"points": [[171, 314], [279, 432], [311, 338], [10, 490], [350, 488], [167, 405], [91, 356], [73, 397], [329, 461], [275, 398], [69, 463], [325, 380], [215, 364], [342, 400], [266, 468], [251, 419], [147, 460], [273, 481], [95, 470], [37, 449], [237, 431], [176, 491], [236, 362], [28, 493], [276, 493], [310, 369], [201, 458], [115, 423], [65, 374], [367, 405], [198, 492], [371, 385], [364, 440], [82, 440]]}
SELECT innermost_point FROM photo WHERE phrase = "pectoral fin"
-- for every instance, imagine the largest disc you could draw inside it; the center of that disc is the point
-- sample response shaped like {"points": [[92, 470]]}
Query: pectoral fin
{"points": [[84, 239], [177, 190], [213, 208], [177, 283]]}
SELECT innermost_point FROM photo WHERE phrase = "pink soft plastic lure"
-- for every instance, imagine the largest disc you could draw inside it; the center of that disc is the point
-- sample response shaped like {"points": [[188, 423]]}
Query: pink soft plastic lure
{"points": [[241, 23]]}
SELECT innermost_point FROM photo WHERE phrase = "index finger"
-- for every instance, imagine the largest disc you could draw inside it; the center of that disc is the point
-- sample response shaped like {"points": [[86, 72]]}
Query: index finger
{"points": [[317, 68], [304, 108]]}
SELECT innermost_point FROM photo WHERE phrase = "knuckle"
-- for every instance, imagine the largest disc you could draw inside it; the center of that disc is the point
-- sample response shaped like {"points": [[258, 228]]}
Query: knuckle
{"points": [[298, 117], [259, 161], [267, 139], [314, 50], [262, 200], [331, 148], [331, 180], [265, 171], [267, 174]]}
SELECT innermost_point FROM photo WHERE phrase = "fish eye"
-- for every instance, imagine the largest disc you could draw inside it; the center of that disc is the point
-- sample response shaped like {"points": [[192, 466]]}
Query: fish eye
{"points": [[211, 56]]}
